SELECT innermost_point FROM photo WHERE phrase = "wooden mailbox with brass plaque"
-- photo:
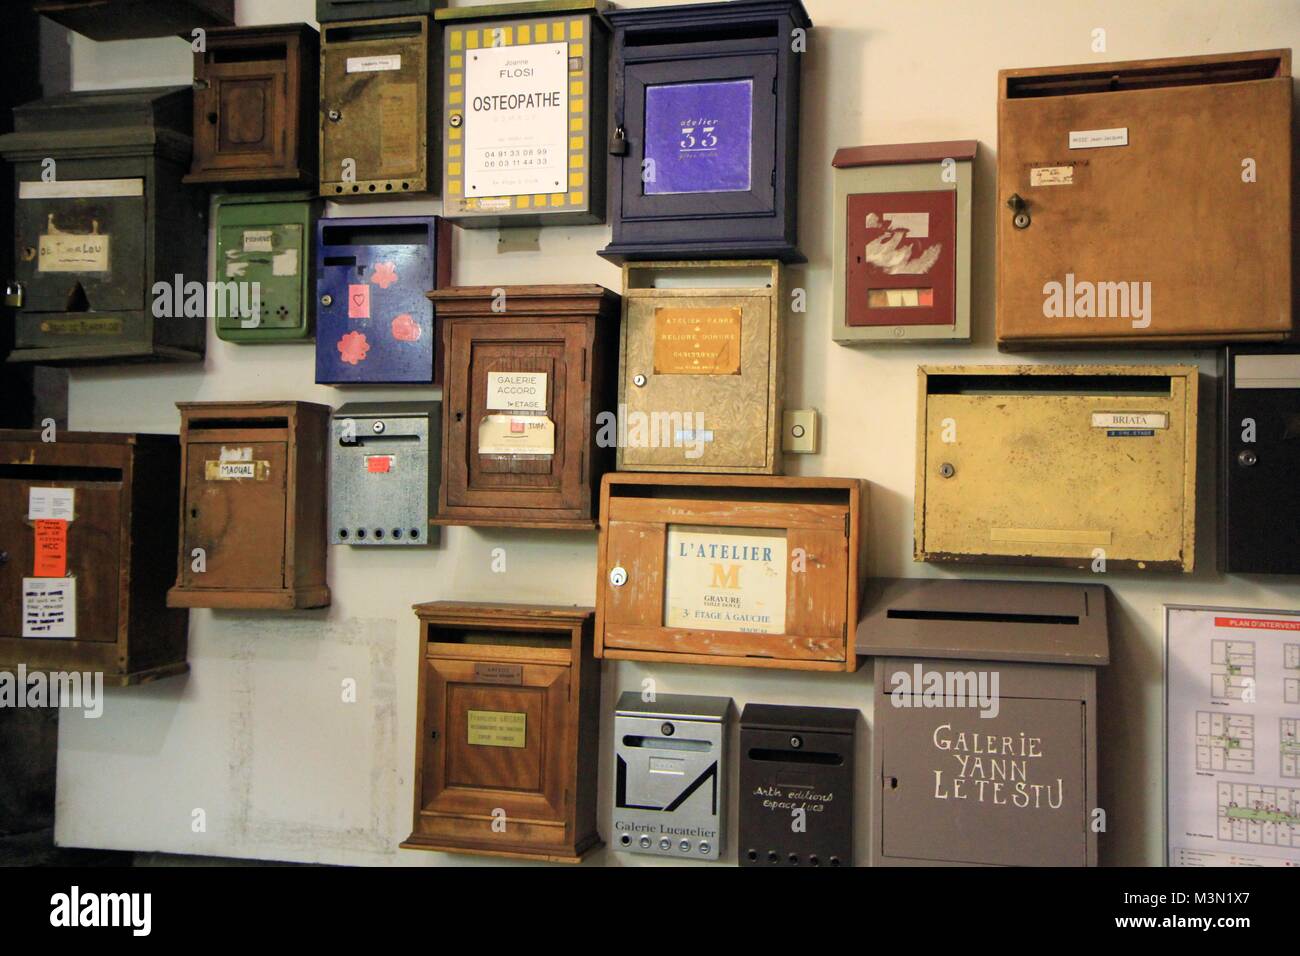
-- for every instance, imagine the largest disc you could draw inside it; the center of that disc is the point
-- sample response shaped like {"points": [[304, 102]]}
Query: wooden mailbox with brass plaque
{"points": [[701, 369], [984, 733], [87, 548], [902, 242], [507, 725], [1082, 466], [255, 105], [378, 83], [253, 501], [524, 112], [745, 570], [1105, 232], [528, 376]]}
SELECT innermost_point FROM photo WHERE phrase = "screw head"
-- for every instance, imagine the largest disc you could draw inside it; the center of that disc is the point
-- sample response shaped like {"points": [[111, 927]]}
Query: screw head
{"points": [[1247, 458]]}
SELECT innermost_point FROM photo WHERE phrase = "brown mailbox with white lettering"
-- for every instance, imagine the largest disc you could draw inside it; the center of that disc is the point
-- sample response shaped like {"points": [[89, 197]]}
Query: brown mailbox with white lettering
{"points": [[984, 737]]}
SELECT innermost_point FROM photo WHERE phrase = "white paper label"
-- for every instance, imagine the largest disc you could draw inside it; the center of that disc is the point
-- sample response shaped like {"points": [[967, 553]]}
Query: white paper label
{"points": [[229, 470], [49, 607], [374, 64], [1097, 138], [73, 252], [1268, 371], [517, 120], [516, 391], [516, 435], [285, 263], [1143, 420], [55, 503], [82, 189], [257, 240]]}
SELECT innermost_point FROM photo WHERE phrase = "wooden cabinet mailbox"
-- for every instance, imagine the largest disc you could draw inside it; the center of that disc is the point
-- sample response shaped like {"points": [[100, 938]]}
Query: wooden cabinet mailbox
{"points": [[701, 364], [87, 539], [327, 11], [903, 242], [705, 145], [1083, 466], [524, 113], [796, 785], [746, 570], [379, 83], [1259, 459], [1104, 233], [113, 222], [137, 19], [255, 104], [506, 731], [529, 369], [984, 734], [253, 494], [265, 241]]}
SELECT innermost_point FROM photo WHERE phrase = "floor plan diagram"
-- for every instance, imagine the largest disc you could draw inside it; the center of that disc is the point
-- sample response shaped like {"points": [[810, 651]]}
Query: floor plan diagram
{"points": [[1291, 673], [1233, 668], [1289, 734], [1268, 816], [1225, 742]]}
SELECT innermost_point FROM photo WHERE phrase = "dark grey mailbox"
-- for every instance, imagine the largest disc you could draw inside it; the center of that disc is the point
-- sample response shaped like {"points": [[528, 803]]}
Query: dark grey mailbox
{"points": [[796, 785], [984, 737]]}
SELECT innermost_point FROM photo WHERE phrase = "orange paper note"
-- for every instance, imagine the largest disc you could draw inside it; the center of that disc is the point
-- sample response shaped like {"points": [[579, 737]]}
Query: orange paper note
{"points": [[51, 548]]}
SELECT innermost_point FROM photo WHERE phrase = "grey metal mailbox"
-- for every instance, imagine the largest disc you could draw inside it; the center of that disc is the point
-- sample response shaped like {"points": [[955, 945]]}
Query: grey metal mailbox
{"points": [[984, 736], [384, 468]]}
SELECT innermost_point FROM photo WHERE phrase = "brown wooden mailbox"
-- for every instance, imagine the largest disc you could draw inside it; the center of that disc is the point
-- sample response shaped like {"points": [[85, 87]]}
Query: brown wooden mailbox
{"points": [[253, 496], [984, 735], [506, 731]]}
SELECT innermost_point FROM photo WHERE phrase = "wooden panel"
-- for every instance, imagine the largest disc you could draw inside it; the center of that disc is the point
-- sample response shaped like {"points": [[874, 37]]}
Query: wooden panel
{"points": [[638, 548]]}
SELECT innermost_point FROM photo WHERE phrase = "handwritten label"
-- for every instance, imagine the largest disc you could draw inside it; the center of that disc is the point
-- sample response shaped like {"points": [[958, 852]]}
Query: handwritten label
{"points": [[50, 607], [66, 252], [1051, 176], [516, 391], [258, 240], [236, 470], [51, 549], [56, 503]]}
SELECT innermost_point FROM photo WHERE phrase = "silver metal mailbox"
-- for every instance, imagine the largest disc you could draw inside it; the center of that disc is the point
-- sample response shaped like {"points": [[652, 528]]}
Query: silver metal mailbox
{"points": [[384, 473], [670, 774]]}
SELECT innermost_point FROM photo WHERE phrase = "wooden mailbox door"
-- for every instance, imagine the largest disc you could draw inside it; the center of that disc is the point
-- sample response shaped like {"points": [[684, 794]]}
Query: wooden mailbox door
{"points": [[730, 386], [480, 355], [492, 746], [235, 512], [242, 114]]}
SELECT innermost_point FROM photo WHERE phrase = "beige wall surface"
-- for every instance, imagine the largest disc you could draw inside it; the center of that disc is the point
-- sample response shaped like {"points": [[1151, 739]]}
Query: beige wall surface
{"points": [[257, 736]]}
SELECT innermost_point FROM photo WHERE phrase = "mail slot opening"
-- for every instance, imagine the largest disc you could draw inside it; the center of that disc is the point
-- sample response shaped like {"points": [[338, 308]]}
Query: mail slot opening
{"points": [[1142, 78], [248, 54], [796, 756], [243, 424], [61, 473], [711, 33], [1053, 384], [359, 441], [77, 300], [375, 234], [665, 743], [712, 278], [463, 636], [995, 617], [348, 261], [738, 493], [373, 31]]}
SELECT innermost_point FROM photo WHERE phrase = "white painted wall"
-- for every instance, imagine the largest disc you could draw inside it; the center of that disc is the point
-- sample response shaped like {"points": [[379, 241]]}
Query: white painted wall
{"points": [[256, 735]]}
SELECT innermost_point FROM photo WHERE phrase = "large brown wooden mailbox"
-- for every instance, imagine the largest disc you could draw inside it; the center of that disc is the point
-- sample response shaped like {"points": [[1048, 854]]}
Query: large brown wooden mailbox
{"points": [[984, 735], [506, 731], [252, 506], [137, 19], [527, 371], [747, 570], [1105, 234], [87, 539], [255, 103]]}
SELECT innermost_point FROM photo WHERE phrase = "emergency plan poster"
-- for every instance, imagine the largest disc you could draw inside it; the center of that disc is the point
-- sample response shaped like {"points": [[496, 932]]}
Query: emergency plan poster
{"points": [[1232, 737]]}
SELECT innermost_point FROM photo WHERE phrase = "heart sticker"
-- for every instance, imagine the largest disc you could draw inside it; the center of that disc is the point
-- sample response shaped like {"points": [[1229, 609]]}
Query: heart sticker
{"points": [[358, 302]]}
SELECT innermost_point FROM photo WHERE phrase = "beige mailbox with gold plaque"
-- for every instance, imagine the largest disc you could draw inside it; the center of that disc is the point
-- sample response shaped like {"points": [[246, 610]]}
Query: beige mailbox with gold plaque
{"points": [[1085, 466], [700, 367]]}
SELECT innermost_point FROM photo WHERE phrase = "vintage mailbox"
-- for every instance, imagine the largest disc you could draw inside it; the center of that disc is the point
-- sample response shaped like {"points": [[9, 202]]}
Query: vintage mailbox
{"points": [[252, 506], [747, 570], [265, 238], [87, 539], [328, 11], [670, 774], [529, 371], [701, 355], [902, 242], [796, 785], [379, 83], [506, 733], [384, 472], [137, 19], [1083, 466], [102, 217], [984, 738], [1103, 228], [705, 145], [1259, 492], [524, 106], [255, 103], [375, 323]]}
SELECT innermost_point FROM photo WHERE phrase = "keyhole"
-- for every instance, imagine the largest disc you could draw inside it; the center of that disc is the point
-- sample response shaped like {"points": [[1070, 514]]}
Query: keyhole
{"points": [[460, 416], [212, 118], [893, 783], [194, 512]]}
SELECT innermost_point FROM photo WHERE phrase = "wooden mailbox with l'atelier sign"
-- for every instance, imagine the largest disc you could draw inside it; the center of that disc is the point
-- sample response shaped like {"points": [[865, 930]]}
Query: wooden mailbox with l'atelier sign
{"points": [[253, 501], [1106, 232], [87, 539], [507, 726], [1084, 466], [746, 570]]}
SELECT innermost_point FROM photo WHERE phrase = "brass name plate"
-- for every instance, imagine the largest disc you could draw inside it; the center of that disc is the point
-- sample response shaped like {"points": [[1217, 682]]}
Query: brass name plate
{"points": [[697, 341], [83, 326], [496, 728], [499, 673]]}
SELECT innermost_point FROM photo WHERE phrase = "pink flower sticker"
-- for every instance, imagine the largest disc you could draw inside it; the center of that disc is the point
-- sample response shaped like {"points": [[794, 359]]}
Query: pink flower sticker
{"points": [[406, 329], [353, 347], [385, 274]]}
